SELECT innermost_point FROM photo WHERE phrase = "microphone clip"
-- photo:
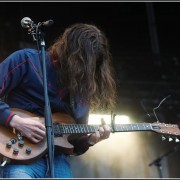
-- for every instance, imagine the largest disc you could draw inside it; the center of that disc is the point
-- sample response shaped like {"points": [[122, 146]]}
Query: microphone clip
{"points": [[32, 30], [35, 29]]}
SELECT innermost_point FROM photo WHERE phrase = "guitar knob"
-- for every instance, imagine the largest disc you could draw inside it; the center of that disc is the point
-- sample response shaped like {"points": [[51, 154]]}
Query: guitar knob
{"points": [[13, 141], [28, 150], [21, 143], [170, 139], [176, 140], [9, 144], [15, 151]]}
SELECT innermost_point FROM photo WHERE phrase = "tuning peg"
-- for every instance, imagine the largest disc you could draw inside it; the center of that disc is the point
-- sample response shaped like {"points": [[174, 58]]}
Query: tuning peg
{"points": [[163, 138], [176, 140], [170, 139]]}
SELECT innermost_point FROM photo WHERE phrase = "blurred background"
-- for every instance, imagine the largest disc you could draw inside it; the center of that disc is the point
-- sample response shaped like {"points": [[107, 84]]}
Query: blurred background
{"points": [[144, 39]]}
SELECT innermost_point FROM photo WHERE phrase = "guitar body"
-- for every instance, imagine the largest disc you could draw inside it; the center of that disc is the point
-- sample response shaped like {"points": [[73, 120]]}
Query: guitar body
{"points": [[61, 144]]}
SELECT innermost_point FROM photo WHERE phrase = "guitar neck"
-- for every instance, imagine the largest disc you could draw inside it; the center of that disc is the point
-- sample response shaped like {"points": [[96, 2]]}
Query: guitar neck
{"points": [[71, 128], [60, 129], [133, 127]]}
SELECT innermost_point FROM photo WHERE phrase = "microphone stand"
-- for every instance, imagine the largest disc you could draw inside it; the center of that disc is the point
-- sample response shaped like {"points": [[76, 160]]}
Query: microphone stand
{"points": [[38, 34], [157, 162]]}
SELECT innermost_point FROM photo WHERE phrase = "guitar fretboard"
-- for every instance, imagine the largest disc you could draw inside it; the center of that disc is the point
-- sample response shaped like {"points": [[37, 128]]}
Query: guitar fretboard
{"points": [[133, 127], [60, 129]]}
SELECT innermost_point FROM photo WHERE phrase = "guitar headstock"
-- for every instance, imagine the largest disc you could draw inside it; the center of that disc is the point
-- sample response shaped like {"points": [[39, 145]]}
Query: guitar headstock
{"points": [[170, 131]]}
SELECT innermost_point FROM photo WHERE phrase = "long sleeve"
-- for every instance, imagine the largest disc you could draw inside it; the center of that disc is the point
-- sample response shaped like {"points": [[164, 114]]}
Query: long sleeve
{"points": [[81, 144], [12, 70]]}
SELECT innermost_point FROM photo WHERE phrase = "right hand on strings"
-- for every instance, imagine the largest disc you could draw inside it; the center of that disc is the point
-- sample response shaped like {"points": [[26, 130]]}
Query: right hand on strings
{"points": [[28, 127]]}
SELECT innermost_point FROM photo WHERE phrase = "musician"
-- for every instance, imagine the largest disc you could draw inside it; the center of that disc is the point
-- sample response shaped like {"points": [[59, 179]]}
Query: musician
{"points": [[80, 79]]}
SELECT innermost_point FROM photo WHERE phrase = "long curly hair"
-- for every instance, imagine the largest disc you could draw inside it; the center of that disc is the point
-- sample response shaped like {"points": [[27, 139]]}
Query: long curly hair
{"points": [[85, 65]]}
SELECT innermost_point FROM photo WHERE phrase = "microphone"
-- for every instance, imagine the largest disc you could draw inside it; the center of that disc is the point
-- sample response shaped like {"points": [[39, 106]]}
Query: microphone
{"points": [[48, 23], [26, 22]]}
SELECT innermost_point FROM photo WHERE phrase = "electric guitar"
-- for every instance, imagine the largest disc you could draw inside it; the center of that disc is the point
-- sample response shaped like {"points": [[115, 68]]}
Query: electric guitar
{"points": [[18, 149]]}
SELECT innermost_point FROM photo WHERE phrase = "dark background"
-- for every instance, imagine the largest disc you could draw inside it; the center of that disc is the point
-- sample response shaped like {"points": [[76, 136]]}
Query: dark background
{"points": [[145, 44], [144, 39]]}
